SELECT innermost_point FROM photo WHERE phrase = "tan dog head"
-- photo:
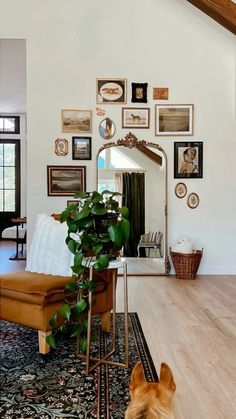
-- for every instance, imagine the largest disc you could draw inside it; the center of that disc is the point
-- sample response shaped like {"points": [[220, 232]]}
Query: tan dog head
{"points": [[151, 400]]}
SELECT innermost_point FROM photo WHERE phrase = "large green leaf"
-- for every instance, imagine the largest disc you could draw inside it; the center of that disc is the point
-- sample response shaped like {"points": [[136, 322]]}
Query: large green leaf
{"points": [[65, 311], [51, 341], [86, 223], [83, 345], [115, 234], [72, 226], [98, 209], [53, 320], [72, 246], [82, 214], [71, 286], [80, 195], [96, 197], [124, 226], [97, 248], [124, 211], [77, 330], [101, 263], [78, 259], [81, 305]]}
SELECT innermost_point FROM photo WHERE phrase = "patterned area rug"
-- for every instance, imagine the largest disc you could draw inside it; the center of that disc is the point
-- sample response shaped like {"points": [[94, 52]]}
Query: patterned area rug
{"points": [[56, 386]]}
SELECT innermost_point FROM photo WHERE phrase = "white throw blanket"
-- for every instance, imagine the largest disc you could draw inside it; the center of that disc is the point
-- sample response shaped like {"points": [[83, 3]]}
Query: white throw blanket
{"points": [[48, 252]]}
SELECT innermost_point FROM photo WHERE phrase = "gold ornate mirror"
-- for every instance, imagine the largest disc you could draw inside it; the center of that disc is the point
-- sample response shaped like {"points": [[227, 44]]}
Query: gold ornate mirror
{"points": [[138, 169]]}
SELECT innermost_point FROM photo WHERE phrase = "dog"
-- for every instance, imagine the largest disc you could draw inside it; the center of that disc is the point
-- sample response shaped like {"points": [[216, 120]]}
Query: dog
{"points": [[135, 117], [151, 400]]}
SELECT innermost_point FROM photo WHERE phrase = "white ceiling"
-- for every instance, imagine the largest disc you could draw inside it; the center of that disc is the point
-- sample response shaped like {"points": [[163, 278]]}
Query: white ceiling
{"points": [[12, 76]]}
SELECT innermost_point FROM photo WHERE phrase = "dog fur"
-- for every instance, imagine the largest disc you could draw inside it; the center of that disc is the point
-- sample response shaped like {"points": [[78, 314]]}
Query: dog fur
{"points": [[151, 400]]}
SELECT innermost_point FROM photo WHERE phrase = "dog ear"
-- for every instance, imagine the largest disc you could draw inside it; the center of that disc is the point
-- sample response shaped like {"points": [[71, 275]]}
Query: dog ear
{"points": [[137, 376], [166, 377]]}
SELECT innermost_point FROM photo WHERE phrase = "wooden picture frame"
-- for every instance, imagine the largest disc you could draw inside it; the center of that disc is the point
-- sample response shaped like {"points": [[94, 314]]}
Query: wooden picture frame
{"points": [[139, 92], [136, 118], [107, 128], [188, 159], [76, 120], [173, 120], [110, 91], [193, 200], [160, 93], [180, 190], [61, 147], [66, 180], [81, 148]]}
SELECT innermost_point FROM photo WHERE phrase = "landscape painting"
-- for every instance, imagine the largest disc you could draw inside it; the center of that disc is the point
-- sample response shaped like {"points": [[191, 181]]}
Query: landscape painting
{"points": [[173, 120], [66, 180], [76, 120]]}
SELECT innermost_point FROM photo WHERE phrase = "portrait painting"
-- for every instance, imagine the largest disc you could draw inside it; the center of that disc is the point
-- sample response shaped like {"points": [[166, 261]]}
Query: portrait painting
{"points": [[188, 158]]}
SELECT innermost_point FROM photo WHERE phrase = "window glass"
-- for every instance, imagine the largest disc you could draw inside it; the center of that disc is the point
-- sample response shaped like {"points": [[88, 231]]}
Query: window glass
{"points": [[9, 200], [9, 154], [9, 177], [1, 124], [1, 177], [1, 154], [1, 200]]}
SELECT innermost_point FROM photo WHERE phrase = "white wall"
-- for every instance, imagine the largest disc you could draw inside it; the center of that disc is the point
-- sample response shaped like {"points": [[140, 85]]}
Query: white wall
{"points": [[162, 42]]}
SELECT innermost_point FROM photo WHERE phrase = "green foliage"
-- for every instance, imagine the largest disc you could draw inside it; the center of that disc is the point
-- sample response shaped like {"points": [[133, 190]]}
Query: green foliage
{"points": [[97, 229]]}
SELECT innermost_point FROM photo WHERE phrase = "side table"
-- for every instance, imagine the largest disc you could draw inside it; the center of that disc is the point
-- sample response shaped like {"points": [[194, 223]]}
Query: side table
{"points": [[116, 264]]}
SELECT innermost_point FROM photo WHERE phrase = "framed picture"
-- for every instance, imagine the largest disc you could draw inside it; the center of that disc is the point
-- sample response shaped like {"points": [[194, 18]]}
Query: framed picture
{"points": [[193, 200], [160, 93], [180, 190], [107, 128], [76, 120], [188, 157], [135, 117], [61, 147], [66, 180], [173, 120], [111, 91], [72, 202], [139, 92], [81, 148]]}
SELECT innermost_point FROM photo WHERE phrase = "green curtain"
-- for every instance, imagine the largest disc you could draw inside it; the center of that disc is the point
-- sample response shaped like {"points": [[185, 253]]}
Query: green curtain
{"points": [[134, 199]]}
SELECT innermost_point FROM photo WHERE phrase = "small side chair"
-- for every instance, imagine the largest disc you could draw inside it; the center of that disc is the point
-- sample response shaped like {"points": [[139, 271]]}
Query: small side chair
{"points": [[151, 240]]}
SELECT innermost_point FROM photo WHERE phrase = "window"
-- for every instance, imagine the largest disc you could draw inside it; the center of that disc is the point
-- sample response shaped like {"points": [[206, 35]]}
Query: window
{"points": [[9, 176], [9, 124]]}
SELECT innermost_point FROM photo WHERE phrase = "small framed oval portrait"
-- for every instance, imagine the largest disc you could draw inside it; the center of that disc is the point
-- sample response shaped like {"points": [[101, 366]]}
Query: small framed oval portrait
{"points": [[107, 128], [180, 190], [193, 200], [61, 147]]}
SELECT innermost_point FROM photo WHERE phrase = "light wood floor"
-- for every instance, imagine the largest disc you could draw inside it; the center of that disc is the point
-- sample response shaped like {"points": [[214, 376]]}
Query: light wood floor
{"points": [[191, 325]]}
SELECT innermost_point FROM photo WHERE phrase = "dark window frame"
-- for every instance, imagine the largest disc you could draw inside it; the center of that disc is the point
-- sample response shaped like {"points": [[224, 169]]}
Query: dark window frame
{"points": [[17, 124], [17, 174]]}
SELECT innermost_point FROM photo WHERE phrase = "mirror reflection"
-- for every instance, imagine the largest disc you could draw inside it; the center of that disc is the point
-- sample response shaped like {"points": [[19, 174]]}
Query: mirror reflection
{"points": [[137, 169]]}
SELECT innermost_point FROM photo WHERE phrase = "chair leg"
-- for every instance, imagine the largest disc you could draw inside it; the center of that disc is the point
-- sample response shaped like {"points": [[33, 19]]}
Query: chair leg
{"points": [[106, 321], [44, 348]]}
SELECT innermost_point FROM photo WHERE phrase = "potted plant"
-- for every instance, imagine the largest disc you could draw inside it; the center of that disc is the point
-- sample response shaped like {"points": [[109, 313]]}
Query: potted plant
{"points": [[97, 229]]}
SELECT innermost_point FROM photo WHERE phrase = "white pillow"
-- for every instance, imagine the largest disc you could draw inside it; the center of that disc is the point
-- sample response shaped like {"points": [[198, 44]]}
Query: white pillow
{"points": [[184, 245], [48, 252]]}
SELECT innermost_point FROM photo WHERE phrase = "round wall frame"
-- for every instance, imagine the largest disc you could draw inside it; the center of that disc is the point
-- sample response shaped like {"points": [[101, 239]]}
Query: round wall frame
{"points": [[180, 190], [193, 200]]}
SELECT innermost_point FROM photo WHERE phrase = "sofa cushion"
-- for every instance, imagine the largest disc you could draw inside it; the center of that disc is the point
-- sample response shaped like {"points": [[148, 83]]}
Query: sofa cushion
{"points": [[48, 253]]}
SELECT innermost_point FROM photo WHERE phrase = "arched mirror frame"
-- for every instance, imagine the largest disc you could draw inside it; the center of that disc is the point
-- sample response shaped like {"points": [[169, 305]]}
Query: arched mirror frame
{"points": [[131, 141]]}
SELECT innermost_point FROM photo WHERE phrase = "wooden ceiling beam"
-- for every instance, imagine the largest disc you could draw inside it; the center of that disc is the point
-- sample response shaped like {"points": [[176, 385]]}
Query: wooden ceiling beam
{"points": [[149, 153], [222, 11]]}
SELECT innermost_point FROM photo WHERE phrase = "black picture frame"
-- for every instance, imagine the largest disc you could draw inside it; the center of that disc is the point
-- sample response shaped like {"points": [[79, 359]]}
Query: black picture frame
{"points": [[188, 159], [139, 92], [81, 148], [66, 180]]}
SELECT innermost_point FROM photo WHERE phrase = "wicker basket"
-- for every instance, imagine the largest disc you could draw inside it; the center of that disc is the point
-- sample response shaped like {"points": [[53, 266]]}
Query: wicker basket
{"points": [[186, 264]]}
